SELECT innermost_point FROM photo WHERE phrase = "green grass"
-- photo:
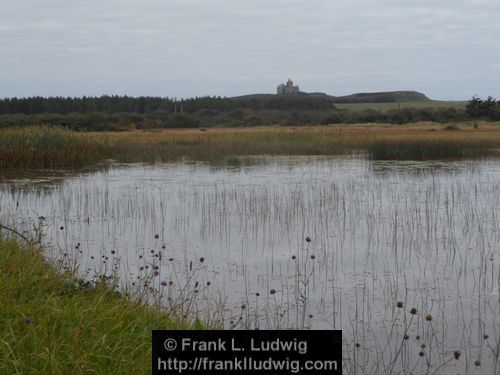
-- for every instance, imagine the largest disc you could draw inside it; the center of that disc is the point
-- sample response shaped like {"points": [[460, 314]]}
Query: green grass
{"points": [[51, 323]]}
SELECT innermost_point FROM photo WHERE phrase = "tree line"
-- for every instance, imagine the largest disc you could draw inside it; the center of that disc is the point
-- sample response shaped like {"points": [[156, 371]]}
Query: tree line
{"points": [[144, 105], [488, 108], [123, 112]]}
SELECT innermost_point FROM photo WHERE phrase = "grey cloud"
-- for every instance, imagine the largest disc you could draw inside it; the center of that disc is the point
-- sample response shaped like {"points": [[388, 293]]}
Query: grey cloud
{"points": [[446, 48]]}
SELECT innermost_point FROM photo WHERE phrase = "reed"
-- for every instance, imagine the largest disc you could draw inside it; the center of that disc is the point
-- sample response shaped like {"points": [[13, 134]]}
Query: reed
{"points": [[56, 147], [417, 142], [44, 147]]}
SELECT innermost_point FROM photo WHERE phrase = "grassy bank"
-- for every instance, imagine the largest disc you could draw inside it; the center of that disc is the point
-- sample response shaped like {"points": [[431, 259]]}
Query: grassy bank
{"points": [[53, 147], [52, 324]]}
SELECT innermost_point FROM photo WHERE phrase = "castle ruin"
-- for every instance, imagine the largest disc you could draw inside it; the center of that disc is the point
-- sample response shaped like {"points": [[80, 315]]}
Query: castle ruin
{"points": [[287, 88]]}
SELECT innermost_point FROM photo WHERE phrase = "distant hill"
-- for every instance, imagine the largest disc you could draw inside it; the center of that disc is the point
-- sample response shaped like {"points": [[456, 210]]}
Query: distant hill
{"points": [[383, 97], [373, 97]]}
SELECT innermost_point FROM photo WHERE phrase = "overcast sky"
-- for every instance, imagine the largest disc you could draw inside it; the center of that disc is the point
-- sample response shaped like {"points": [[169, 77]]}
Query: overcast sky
{"points": [[448, 49]]}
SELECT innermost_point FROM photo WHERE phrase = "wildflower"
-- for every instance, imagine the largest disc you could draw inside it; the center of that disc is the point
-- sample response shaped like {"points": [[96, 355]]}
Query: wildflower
{"points": [[156, 273], [421, 354], [113, 252], [294, 257], [357, 345], [477, 363], [164, 283], [156, 268], [399, 304], [157, 236], [202, 260], [413, 311], [28, 320], [308, 239], [457, 354], [272, 291], [428, 317], [313, 257]]}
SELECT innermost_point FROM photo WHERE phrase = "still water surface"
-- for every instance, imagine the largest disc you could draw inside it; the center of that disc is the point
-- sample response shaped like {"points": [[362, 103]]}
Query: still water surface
{"points": [[423, 233]]}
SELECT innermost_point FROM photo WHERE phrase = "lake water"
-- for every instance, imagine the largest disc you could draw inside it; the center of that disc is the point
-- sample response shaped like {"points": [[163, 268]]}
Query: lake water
{"points": [[295, 243]]}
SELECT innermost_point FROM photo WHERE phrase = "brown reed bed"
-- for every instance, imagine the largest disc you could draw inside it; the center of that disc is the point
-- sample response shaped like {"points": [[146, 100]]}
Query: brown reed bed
{"points": [[45, 147], [414, 142], [56, 147]]}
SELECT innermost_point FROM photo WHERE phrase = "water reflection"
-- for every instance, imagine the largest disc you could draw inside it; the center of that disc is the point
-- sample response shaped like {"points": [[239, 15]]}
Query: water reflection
{"points": [[425, 234], [384, 168]]}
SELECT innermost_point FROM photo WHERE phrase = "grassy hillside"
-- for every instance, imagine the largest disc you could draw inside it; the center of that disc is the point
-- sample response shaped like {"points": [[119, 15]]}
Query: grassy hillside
{"points": [[373, 97], [383, 97], [52, 323]]}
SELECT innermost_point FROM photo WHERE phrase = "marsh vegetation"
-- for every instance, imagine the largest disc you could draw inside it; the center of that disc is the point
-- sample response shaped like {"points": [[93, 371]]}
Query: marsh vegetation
{"points": [[52, 147]]}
